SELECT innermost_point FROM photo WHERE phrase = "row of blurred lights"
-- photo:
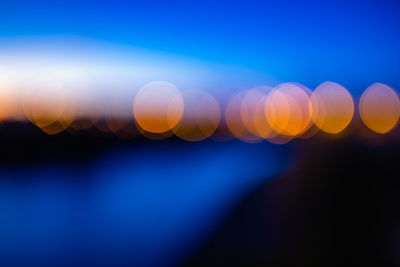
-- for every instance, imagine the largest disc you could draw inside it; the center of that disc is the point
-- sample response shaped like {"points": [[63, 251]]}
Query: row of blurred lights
{"points": [[161, 110]]}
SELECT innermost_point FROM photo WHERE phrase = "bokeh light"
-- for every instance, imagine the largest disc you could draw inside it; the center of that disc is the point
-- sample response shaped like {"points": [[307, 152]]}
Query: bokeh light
{"points": [[44, 106], [233, 118], [287, 109], [65, 119], [332, 107], [158, 107], [252, 112], [160, 110], [201, 116], [379, 108]]}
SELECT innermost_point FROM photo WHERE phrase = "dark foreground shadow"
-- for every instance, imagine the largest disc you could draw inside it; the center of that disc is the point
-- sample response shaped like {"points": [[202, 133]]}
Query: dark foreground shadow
{"points": [[339, 205]]}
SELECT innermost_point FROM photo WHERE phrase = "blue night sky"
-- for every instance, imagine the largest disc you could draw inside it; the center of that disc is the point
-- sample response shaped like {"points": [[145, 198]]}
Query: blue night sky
{"points": [[354, 43]]}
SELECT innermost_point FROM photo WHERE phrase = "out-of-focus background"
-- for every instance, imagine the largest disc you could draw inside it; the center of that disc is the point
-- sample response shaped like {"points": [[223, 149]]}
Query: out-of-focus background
{"points": [[89, 175]]}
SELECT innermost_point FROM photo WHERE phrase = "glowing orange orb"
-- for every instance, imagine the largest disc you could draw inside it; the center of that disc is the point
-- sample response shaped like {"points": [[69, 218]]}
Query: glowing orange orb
{"points": [[287, 109], [379, 108], [332, 107], [158, 107]]}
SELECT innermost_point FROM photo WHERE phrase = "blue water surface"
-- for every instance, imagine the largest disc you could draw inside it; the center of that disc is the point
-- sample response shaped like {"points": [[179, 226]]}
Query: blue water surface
{"points": [[141, 204]]}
